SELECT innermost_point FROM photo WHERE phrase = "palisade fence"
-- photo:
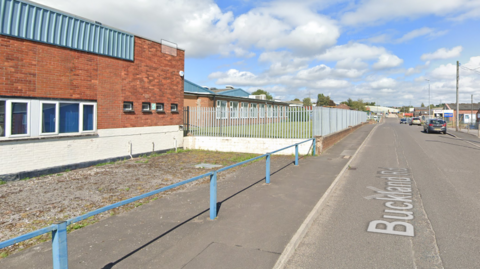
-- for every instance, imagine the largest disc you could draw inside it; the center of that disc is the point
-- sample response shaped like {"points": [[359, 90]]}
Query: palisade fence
{"points": [[284, 122]]}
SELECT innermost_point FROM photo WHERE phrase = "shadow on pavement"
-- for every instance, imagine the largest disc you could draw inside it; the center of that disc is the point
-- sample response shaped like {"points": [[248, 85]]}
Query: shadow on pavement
{"points": [[219, 205]]}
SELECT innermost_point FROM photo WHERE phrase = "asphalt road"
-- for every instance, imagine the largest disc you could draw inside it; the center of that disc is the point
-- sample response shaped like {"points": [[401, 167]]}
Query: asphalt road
{"points": [[412, 200]]}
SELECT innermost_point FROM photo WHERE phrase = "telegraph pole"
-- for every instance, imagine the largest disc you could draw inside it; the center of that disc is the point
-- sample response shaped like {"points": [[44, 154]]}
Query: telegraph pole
{"points": [[457, 116]]}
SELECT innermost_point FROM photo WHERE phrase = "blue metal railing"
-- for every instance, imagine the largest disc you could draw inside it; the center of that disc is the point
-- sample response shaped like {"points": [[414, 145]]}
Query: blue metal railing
{"points": [[59, 229]]}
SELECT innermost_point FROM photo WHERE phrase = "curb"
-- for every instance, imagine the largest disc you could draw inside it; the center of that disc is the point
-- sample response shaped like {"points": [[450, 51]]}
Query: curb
{"points": [[302, 231]]}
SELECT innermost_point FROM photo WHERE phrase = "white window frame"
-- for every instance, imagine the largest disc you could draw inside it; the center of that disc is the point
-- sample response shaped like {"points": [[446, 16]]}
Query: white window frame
{"points": [[233, 111], [37, 118], [261, 111], [82, 104], [174, 110], [221, 113], [162, 107], [148, 107], [269, 110], [8, 117], [57, 114], [244, 110], [275, 111], [253, 110]]}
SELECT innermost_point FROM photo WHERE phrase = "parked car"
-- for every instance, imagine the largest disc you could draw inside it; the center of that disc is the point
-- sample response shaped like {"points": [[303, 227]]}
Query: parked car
{"points": [[403, 120], [435, 125], [416, 121]]}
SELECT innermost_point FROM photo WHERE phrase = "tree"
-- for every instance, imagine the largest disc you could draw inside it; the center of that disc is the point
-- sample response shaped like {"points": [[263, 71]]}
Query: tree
{"points": [[307, 101], [331, 102], [422, 105], [357, 105], [323, 100], [267, 94], [296, 99], [370, 104]]}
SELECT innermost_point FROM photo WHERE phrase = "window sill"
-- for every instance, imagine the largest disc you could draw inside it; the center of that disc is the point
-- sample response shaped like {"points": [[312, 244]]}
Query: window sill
{"points": [[161, 111], [46, 137], [175, 112], [129, 111], [147, 112]]}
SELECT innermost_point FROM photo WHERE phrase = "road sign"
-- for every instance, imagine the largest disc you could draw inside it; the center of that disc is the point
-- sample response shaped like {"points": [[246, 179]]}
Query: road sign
{"points": [[448, 115]]}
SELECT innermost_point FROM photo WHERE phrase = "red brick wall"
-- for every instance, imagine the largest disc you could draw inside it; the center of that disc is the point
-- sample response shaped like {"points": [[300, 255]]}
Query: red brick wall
{"points": [[33, 69]]}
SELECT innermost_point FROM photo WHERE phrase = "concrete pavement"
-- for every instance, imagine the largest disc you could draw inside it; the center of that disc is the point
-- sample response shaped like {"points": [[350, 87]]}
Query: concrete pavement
{"points": [[255, 221], [411, 202]]}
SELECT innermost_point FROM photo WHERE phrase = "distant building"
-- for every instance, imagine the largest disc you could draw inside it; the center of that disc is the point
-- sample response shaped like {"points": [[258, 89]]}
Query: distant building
{"points": [[382, 109], [343, 106]]}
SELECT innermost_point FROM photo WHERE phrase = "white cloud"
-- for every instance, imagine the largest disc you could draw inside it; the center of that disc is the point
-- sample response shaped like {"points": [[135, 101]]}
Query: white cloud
{"points": [[348, 63], [447, 71], [282, 24], [373, 11], [383, 83], [387, 61], [238, 78], [202, 28], [417, 69], [442, 53], [351, 51]]}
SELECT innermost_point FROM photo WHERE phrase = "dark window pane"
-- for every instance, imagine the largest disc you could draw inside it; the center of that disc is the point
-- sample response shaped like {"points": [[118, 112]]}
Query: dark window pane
{"points": [[69, 118], [48, 118], [2, 118], [88, 117], [19, 118]]}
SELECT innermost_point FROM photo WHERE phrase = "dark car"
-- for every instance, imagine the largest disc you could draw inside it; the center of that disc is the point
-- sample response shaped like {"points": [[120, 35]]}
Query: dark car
{"points": [[403, 120], [435, 125]]}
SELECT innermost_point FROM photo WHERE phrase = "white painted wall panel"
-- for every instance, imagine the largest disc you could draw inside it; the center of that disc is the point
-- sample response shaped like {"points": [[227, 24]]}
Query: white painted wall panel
{"points": [[28, 155]]}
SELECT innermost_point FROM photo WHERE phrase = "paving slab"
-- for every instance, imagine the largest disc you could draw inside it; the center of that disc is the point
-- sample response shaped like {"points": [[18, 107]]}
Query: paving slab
{"points": [[255, 220]]}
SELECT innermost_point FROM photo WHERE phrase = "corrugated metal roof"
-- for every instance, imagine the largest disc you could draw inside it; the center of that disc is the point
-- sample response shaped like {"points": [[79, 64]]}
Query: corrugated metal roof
{"points": [[37, 23], [235, 92], [189, 86]]}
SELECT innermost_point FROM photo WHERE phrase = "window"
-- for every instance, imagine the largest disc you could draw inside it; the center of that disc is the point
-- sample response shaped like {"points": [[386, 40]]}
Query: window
{"points": [[20, 118], [174, 108], [127, 106], [233, 110], [269, 111], [221, 109], [88, 118], [275, 108], [244, 110], [49, 114], [253, 111], [262, 111], [280, 111], [160, 107], [145, 107]]}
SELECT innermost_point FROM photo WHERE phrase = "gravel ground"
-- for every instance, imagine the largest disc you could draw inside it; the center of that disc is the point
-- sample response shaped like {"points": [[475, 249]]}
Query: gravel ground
{"points": [[28, 205]]}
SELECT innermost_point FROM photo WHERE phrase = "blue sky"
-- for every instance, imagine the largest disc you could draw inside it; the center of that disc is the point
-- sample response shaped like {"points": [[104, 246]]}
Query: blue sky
{"points": [[375, 50]]}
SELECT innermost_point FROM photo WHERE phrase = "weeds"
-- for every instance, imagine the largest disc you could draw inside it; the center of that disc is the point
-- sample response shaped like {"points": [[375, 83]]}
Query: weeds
{"points": [[68, 170], [3, 254], [102, 164], [59, 175], [2, 182]]}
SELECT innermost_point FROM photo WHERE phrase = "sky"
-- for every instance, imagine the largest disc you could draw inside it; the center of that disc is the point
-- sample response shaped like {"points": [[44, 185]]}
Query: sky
{"points": [[385, 51]]}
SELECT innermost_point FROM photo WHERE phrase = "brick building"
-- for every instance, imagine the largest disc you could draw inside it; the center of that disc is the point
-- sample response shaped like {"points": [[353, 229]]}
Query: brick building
{"points": [[74, 92], [231, 99]]}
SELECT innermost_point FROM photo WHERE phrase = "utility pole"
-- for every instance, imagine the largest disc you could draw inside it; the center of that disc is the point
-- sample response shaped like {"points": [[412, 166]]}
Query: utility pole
{"points": [[457, 116], [471, 112]]}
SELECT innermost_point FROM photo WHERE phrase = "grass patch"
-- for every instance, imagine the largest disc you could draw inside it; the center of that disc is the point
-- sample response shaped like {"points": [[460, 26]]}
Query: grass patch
{"points": [[3, 254], [68, 170], [59, 175], [2, 182], [178, 151], [102, 164]]}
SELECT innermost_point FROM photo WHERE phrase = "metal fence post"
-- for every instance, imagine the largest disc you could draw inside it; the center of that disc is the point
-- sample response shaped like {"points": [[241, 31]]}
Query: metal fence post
{"points": [[314, 150], [59, 246], [296, 154], [213, 195], [267, 168]]}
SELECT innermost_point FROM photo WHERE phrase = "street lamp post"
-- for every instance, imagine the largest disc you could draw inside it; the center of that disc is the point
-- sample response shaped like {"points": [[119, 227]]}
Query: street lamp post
{"points": [[428, 97]]}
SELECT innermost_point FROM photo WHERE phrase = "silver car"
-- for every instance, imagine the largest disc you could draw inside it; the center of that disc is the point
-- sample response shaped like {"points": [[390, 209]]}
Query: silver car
{"points": [[435, 125]]}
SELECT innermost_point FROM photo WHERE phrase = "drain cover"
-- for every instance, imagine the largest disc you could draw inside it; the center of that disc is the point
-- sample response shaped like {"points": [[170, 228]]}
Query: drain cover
{"points": [[207, 165]]}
